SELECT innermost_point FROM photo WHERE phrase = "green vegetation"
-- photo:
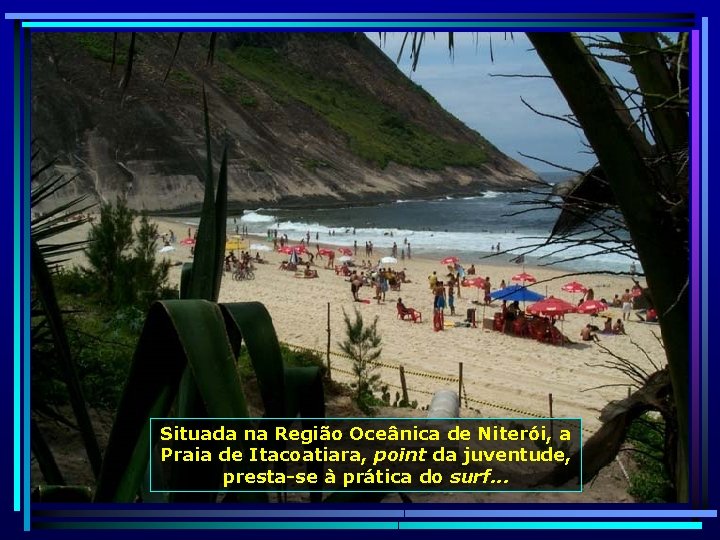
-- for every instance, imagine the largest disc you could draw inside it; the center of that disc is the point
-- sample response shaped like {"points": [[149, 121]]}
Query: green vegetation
{"points": [[650, 483], [100, 46], [123, 270], [363, 346], [374, 132]]}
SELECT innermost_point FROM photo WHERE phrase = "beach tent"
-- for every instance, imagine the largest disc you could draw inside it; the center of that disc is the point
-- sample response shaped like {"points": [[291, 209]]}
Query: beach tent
{"points": [[516, 292]]}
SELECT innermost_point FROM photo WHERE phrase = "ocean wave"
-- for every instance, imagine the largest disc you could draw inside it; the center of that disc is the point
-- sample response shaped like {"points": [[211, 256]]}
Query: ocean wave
{"points": [[252, 216], [491, 194]]}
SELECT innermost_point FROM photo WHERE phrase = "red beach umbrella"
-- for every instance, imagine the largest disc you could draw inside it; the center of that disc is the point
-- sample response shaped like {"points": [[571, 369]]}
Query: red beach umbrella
{"points": [[449, 260], [636, 291], [188, 241], [551, 306], [573, 287], [345, 251], [524, 277], [290, 249], [474, 282], [592, 306], [325, 252]]}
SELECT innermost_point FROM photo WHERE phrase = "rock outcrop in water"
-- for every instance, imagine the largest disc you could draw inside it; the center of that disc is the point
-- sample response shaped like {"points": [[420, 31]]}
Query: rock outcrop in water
{"points": [[310, 119]]}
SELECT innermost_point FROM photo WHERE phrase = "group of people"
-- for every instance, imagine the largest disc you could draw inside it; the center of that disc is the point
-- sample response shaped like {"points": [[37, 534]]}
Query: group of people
{"points": [[590, 331], [233, 263]]}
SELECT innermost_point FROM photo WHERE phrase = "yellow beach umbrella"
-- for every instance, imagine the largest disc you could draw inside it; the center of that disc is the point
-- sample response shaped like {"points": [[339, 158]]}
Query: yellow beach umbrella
{"points": [[235, 243]]}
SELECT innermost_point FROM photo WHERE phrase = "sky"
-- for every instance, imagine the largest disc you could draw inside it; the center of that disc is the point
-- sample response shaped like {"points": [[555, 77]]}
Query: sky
{"points": [[491, 105]]}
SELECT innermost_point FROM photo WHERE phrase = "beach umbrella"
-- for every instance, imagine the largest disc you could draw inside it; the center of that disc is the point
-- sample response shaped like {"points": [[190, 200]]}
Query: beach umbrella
{"points": [[345, 258], [292, 249], [450, 260], [524, 276], [165, 249], [592, 306], [259, 247], [474, 282], [325, 252], [188, 241], [345, 251], [636, 291], [573, 287], [235, 243], [516, 292], [477, 282], [388, 260], [551, 306]]}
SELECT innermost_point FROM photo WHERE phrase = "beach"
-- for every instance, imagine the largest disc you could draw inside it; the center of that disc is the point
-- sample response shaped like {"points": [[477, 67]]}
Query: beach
{"points": [[503, 375]]}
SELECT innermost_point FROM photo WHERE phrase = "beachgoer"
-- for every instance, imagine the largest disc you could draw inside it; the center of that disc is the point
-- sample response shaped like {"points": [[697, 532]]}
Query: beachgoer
{"points": [[619, 327], [633, 270], [607, 329], [355, 248], [498, 247], [502, 284], [409, 252], [587, 334], [471, 270], [402, 254], [626, 304], [432, 280], [451, 297], [589, 295], [439, 300], [486, 288]]}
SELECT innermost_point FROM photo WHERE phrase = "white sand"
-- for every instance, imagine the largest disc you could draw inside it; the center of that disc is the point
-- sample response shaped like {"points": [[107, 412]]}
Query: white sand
{"points": [[504, 376]]}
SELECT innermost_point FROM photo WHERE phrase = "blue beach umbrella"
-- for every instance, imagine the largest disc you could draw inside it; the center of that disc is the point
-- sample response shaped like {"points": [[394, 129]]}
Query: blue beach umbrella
{"points": [[516, 292]]}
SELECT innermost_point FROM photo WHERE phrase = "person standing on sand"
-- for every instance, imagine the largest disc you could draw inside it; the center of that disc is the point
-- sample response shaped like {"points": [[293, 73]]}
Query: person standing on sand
{"points": [[355, 248], [432, 280], [626, 304], [486, 288], [409, 253], [402, 254], [451, 296]]}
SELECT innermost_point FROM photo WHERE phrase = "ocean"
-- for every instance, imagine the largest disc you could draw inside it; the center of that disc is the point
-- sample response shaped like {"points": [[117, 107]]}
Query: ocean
{"points": [[468, 227]]}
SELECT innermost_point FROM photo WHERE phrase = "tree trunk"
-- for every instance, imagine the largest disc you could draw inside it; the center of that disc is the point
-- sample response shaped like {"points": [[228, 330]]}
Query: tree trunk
{"points": [[660, 241]]}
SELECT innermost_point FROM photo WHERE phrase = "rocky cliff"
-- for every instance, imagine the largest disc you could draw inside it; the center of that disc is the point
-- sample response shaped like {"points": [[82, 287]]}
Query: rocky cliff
{"points": [[309, 119]]}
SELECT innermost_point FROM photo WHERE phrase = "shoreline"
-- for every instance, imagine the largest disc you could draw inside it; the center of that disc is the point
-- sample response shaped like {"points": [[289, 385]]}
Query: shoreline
{"points": [[502, 373]]}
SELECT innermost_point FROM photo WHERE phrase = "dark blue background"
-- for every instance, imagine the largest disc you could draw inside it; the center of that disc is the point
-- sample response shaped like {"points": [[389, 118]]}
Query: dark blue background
{"points": [[12, 522]]}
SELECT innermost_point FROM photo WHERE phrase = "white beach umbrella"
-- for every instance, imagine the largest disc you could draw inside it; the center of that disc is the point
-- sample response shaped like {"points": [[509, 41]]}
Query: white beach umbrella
{"points": [[388, 260], [260, 247], [165, 249], [345, 258]]}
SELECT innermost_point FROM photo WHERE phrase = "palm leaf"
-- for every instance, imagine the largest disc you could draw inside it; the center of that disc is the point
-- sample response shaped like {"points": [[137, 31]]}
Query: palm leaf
{"points": [[46, 296]]}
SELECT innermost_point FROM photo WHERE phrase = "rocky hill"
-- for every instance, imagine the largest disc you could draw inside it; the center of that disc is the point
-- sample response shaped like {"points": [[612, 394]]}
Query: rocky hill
{"points": [[309, 118]]}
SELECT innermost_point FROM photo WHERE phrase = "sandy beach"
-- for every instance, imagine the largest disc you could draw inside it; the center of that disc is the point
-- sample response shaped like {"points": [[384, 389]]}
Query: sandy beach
{"points": [[503, 375]]}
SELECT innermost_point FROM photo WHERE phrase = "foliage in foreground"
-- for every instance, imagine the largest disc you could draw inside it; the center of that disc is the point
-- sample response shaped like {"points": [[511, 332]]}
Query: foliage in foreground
{"points": [[363, 345], [650, 483], [123, 268]]}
